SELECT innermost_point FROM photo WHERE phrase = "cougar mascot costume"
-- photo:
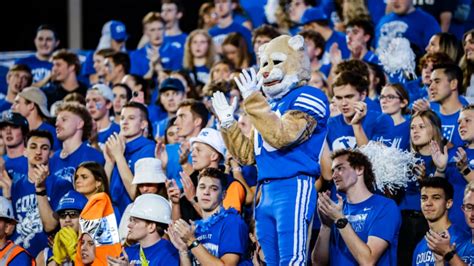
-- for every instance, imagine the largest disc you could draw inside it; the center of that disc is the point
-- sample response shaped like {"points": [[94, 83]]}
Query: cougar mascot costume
{"points": [[290, 127]]}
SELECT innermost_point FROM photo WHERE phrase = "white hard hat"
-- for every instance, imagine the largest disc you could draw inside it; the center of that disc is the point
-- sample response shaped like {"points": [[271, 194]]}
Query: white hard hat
{"points": [[148, 170], [152, 207], [6, 209]]}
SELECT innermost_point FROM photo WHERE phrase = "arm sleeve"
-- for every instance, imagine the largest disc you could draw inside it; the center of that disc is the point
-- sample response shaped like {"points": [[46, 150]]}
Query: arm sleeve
{"points": [[234, 237], [293, 127], [387, 223], [238, 145]]}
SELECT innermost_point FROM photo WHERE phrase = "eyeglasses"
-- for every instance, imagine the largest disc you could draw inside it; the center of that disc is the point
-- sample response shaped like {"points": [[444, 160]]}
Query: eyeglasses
{"points": [[467, 207], [389, 97], [71, 214]]}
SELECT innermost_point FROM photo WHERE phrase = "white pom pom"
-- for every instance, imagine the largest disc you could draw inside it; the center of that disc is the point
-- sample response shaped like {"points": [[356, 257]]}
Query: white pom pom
{"points": [[398, 57], [392, 167], [270, 10]]}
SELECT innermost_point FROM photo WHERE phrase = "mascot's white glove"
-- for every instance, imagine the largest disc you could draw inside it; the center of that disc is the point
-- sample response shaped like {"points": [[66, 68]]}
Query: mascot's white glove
{"points": [[223, 110], [248, 82]]}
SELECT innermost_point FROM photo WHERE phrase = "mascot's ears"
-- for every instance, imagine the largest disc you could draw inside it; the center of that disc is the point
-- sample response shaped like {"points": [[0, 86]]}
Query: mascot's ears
{"points": [[261, 49], [296, 43]]}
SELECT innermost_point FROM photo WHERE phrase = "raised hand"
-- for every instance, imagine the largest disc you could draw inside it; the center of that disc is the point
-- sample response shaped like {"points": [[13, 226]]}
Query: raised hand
{"points": [[440, 158], [188, 186], [360, 112], [248, 82], [174, 194], [223, 110], [329, 208]]}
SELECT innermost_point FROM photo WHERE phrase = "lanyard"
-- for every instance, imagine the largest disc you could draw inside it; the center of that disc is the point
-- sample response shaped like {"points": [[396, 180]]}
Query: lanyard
{"points": [[143, 257]]}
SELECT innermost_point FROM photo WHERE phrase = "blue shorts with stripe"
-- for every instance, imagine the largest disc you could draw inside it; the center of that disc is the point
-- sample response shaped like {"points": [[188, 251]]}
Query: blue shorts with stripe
{"points": [[283, 215]]}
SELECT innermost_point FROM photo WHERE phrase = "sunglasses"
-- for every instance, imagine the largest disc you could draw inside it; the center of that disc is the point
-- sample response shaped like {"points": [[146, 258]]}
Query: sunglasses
{"points": [[72, 214]]}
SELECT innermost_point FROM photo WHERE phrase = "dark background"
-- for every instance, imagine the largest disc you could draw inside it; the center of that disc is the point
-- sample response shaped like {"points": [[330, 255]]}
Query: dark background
{"points": [[21, 18]]}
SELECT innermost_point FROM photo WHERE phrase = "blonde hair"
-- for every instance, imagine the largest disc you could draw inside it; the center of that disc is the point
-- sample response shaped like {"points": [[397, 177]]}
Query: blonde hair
{"points": [[188, 59], [469, 188]]}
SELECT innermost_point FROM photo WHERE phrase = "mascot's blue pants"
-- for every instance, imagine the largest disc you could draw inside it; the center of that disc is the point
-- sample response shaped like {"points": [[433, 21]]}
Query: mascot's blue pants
{"points": [[282, 216]]}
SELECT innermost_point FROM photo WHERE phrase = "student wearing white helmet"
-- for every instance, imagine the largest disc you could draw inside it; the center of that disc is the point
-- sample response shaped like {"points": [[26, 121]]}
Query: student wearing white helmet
{"points": [[10, 253], [149, 217], [149, 179]]}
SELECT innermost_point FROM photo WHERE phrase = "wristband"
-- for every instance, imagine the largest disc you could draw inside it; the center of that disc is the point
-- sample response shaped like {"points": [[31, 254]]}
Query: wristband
{"points": [[449, 255], [41, 193], [466, 171], [193, 244]]}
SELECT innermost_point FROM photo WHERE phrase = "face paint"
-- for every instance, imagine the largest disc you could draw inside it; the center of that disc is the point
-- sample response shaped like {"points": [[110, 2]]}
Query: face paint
{"points": [[99, 105]]}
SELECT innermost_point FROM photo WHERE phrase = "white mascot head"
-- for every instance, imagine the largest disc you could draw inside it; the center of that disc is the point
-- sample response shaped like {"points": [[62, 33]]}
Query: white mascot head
{"points": [[284, 65]]}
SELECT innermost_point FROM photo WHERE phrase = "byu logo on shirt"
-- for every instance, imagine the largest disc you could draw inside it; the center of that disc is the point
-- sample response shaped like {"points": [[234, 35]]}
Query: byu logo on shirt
{"points": [[448, 131], [344, 142]]}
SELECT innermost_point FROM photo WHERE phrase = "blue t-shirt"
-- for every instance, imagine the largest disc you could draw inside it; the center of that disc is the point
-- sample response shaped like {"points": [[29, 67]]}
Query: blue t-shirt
{"points": [[16, 167], [65, 168], [5, 105], [254, 9], [465, 251], [29, 230], [134, 150], [173, 167], [155, 111], [408, 26], [303, 158], [456, 215], [105, 133], [371, 57], [376, 9], [177, 41], [39, 68], [423, 256], [51, 129], [170, 56], [200, 74], [449, 125], [341, 135], [222, 233], [161, 253], [373, 104], [412, 197], [377, 216], [159, 128], [340, 39], [398, 136], [416, 90], [218, 34]]}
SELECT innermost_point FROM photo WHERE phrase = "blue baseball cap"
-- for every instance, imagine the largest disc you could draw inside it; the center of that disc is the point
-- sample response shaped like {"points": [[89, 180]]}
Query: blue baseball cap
{"points": [[172, 84], [118, 31], [313, 14], [15, 119], [72, 200]]}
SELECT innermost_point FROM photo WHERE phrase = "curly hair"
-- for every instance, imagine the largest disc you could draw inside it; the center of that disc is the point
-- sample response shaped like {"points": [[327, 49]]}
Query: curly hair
{"points": [[358, 160]]}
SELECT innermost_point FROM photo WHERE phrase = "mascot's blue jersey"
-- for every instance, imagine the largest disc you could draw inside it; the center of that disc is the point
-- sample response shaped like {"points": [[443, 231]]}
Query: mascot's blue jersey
{"points": [[300, 158]]}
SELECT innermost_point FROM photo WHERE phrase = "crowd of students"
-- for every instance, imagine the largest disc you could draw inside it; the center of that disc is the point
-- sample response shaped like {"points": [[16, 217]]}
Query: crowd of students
{"points": [[119, 159]]}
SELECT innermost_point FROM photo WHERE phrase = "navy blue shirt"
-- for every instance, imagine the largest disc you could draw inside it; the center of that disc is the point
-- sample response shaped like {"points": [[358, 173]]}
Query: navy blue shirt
{"points": [[39, 68], [162, 253], [65, 168]]}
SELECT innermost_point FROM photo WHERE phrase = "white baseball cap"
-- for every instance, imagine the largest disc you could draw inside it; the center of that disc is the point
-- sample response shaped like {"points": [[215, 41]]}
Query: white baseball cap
{"points": [[148, 170], [103, 90], [212, 138]]}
